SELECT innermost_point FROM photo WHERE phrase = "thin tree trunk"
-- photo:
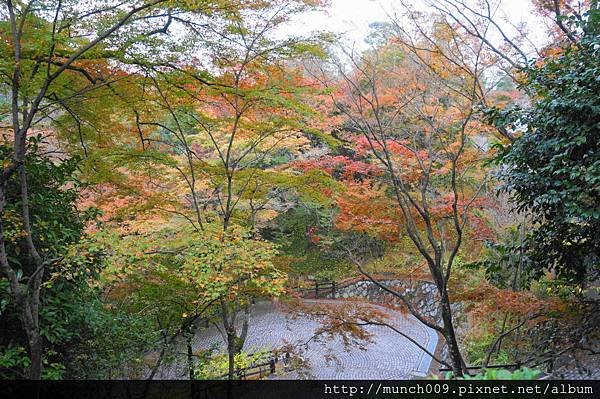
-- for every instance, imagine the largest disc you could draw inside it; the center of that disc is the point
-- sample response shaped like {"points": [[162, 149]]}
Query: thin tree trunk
{"points": [[190, 355], [35, 355], [35, 279], [450, 336], [515, 281], [231, 350]]}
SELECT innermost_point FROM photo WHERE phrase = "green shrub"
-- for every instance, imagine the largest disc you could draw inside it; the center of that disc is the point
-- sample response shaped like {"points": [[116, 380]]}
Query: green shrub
{"points": [[524, 373]]}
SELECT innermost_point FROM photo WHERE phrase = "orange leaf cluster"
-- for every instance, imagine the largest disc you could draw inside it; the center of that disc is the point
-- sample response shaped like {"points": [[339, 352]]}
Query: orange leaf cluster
{"points": [[366, 209], [348, 168]]}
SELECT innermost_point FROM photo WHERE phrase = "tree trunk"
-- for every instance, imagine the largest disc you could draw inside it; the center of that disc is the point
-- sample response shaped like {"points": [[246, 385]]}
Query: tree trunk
{"points": [[27, 302], [190, 355], [35, 355], [34, 285], [450, 336], [231, 351]]}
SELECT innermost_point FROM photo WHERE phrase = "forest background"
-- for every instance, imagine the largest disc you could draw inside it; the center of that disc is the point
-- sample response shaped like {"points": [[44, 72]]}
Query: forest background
{"points": [[170, 161]]}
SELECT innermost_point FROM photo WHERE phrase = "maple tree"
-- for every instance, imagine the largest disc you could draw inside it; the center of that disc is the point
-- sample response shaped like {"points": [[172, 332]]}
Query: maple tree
{"points": [[413, 114], [214, 138], [180, 276], [55, 57], [39, 52], [549, 125]]}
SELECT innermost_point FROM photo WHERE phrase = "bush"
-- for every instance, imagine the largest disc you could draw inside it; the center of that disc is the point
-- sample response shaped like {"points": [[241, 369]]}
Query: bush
{"points": [[524, 373]]}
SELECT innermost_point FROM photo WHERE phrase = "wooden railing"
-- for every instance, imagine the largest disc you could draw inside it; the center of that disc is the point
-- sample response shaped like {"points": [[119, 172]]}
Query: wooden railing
{"points": [[320, 289], [263, 369]]}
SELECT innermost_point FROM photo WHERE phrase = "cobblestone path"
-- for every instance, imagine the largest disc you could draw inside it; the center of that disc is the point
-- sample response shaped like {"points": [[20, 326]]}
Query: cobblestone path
{"points": [[388, 356]]}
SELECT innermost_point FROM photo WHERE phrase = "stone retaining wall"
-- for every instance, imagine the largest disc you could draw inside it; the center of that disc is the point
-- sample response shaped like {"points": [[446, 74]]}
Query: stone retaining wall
{"points": [[422, 295]]}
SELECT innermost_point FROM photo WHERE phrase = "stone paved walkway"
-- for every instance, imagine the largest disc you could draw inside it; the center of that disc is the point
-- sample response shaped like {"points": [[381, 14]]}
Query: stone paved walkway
{"points": [[388, 356]]}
